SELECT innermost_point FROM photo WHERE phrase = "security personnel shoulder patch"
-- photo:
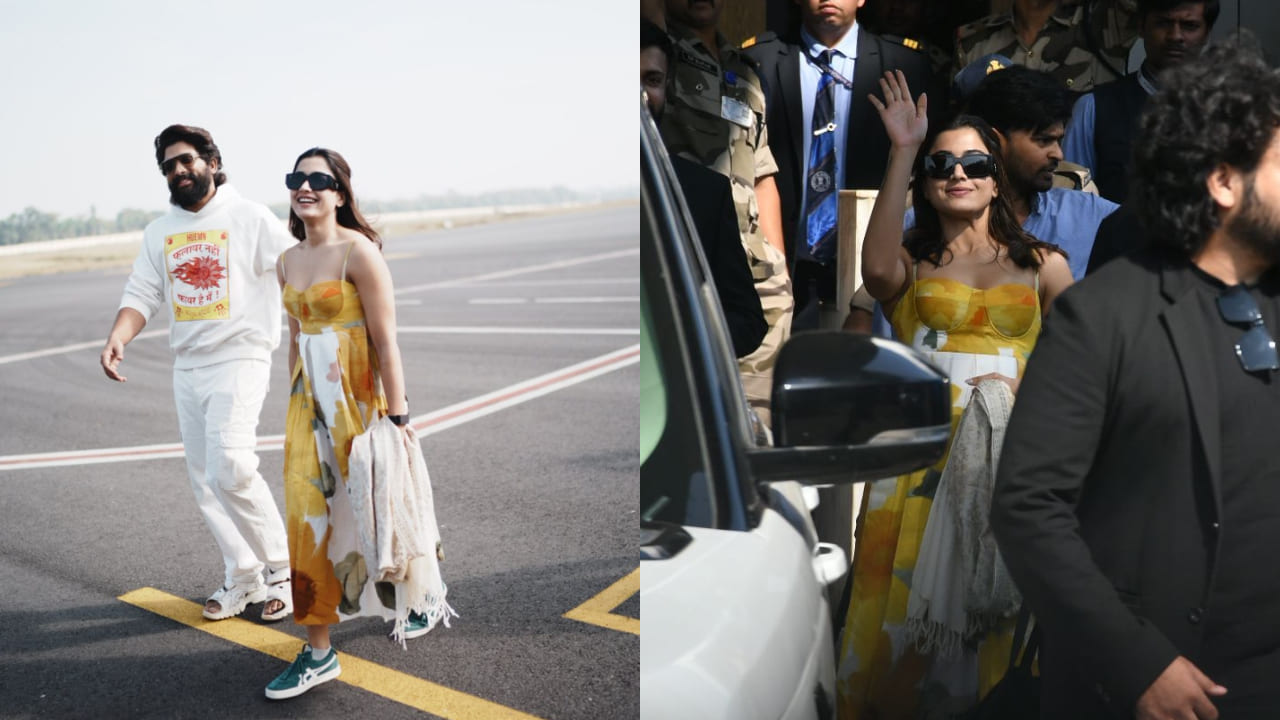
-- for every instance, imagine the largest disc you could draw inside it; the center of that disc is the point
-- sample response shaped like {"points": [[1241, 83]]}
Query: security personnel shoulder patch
{"points": [[906, 42], [758, 40]]}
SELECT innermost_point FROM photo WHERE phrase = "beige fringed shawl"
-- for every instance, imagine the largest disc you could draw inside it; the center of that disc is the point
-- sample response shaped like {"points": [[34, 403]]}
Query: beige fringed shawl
{"points": [[395, 518], [961, 589]]}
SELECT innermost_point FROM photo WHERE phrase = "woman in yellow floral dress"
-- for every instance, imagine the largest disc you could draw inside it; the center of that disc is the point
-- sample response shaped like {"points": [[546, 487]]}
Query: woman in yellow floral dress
{"points": [[967, 287], [343, 355]]}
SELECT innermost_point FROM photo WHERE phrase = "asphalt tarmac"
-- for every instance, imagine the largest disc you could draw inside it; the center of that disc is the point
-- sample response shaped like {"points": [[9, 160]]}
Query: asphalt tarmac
{"points": [[520, 345]]}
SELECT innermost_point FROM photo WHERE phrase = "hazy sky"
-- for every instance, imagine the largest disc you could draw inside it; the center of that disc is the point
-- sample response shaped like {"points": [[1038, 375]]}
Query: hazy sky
{"points": [[421, 96]]}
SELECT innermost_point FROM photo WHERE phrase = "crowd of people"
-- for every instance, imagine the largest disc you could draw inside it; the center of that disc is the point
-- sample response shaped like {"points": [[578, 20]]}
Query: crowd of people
{"points": [[221, 268], [1089, 253]]}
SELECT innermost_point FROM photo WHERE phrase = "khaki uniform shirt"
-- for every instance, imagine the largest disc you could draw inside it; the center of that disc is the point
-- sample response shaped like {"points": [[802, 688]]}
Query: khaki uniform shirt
{"points": [[715, 116], [1080, 46]]}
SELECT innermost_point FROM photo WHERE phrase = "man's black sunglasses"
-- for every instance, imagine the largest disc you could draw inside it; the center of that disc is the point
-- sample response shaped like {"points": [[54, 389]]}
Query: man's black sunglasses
{"points": [[941, 165], [187, 160], [1256, 348], [317, 180]]}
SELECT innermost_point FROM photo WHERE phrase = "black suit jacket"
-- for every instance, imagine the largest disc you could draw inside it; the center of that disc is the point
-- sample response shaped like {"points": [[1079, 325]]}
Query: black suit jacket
{"points": [[710, 200], [1108, 495], [867, 143]]}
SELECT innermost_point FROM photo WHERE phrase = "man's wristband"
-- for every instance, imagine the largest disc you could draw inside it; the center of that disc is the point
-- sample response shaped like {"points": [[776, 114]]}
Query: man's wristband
{"points": [[399, 420]]}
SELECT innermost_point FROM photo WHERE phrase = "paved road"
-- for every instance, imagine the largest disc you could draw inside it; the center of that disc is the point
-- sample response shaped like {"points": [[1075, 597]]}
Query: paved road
{"points": [[535, 487]]}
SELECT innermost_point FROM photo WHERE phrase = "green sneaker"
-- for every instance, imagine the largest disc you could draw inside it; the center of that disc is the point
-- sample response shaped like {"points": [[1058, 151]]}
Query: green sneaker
{"points": [[304, 674], [416, 625]]}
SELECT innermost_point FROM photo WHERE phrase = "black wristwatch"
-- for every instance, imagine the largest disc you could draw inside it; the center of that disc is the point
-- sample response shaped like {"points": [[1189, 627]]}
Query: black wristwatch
{"points": [[399, 420]]}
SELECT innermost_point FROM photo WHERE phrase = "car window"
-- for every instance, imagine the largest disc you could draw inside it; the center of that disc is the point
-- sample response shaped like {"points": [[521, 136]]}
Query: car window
{"points": [[675, 485], [694, 469]]}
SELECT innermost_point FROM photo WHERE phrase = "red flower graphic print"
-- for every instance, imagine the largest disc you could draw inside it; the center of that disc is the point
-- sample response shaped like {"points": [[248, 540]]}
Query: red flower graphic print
{"points": [[201, 272]]}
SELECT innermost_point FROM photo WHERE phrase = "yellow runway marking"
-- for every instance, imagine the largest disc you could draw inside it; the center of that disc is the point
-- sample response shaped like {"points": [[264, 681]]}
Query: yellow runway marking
{"points": [[392, 684], [599, 609]]}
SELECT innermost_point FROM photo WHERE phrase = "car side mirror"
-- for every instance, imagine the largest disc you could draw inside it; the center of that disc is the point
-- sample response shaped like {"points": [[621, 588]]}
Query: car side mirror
{"points": [[849, 407]]}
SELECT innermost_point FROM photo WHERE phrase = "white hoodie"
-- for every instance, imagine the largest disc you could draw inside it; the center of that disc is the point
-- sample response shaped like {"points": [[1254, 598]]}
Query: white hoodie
{"points": [[214, 271]]}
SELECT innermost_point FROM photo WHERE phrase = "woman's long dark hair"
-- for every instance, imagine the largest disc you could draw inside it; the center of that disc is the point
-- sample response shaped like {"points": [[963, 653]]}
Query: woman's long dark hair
{"points": [[348, 213], [925, 240]]}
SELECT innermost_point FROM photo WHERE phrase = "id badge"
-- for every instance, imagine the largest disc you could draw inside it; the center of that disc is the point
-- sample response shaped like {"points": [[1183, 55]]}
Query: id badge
{"points": [[736, 111]]}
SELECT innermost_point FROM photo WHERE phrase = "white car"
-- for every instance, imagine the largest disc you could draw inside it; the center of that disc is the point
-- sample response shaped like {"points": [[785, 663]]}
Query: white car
{"points": [[733, 590]]}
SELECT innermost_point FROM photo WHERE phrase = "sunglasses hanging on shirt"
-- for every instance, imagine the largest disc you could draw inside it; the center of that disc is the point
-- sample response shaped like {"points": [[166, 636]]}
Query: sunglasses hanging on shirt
{"points": [[1256, 349]]}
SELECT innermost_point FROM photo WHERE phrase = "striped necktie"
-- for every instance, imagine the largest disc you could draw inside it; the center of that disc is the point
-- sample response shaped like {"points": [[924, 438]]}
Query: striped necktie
{"points": [[820, 205]]}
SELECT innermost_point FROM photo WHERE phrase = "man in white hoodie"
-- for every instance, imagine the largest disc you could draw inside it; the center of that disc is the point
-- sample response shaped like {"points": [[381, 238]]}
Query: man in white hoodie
{"points": [[210, 263]]}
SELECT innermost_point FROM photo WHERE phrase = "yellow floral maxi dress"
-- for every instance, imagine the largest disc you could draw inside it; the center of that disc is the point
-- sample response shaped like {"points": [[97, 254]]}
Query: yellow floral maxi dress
{"points": [[967, 332], [335, 394]]}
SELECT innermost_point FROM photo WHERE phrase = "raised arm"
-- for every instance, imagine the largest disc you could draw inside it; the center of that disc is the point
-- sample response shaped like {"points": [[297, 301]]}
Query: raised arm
{"points": [[885, 264]]}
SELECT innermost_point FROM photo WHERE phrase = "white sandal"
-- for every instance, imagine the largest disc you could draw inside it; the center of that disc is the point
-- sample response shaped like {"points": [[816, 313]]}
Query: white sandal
{"points": [[281, 589], [233, 600]]}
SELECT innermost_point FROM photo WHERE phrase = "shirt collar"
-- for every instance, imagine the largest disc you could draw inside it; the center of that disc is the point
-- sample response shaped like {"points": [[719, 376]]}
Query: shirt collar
{"points": [[1064, 15], [1146, 79], [1037, 203], [680, 32], [848, 45]]}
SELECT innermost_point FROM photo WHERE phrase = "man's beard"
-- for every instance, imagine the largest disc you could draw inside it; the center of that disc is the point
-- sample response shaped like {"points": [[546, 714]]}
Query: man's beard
{"points": [[186, 197], [1256, 226]]}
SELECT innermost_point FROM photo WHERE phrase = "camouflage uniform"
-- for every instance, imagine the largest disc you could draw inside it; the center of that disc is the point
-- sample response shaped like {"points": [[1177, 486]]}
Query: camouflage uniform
{"points": [[1065, 45], [694, 125]]}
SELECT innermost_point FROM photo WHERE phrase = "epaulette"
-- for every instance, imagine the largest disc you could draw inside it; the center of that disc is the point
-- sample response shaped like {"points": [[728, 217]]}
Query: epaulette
{"points": [[1074, 177], [906, 42], [762, 38]]}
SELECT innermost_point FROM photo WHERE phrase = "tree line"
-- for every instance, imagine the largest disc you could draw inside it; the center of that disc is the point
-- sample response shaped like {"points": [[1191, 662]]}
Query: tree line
{"points": [[31, 225]]}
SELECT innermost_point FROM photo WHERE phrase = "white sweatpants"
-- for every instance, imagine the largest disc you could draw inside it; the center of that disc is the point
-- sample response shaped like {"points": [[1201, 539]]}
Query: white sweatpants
{"points": [[218, 408]]}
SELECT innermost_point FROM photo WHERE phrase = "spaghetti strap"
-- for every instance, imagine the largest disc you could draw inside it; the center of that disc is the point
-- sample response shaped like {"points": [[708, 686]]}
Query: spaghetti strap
{"points": [[343, 276]]}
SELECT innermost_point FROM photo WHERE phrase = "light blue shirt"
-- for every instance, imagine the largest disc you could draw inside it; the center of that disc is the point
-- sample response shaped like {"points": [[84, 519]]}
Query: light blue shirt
{"points": [[842, 61], [1077, 144], [1066, 218]]}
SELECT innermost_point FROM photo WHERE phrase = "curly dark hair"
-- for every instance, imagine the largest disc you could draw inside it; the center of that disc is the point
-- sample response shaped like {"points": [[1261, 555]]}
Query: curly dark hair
{"points": [[924, 241], [1221, 108], [196, 137]]}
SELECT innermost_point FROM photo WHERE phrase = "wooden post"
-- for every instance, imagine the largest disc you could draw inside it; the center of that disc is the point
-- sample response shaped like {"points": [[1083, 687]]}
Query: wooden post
{"points": [[839, 504]]}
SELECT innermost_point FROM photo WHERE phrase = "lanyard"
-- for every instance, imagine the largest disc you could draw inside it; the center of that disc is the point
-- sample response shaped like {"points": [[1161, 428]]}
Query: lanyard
{"points": [[828, 70]]}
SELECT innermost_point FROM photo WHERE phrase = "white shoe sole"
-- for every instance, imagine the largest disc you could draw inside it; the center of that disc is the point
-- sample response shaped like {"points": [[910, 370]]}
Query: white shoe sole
{"points": [[315, 680], [256, 596], [417, 633]]}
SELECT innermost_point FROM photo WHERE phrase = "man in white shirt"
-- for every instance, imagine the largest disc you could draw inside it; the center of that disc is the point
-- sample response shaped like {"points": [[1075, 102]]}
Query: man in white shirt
{"points": [[210, 263], [825, 134]]}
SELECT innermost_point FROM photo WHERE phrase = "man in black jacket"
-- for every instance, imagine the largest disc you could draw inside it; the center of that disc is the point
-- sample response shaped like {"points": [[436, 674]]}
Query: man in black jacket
{"points": [[837, 57], [1137, 503], [1103, 124]]}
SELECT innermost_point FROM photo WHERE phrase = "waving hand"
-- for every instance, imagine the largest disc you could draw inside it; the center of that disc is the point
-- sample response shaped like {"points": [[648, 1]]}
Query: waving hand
{"points": [[905, 121]]}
